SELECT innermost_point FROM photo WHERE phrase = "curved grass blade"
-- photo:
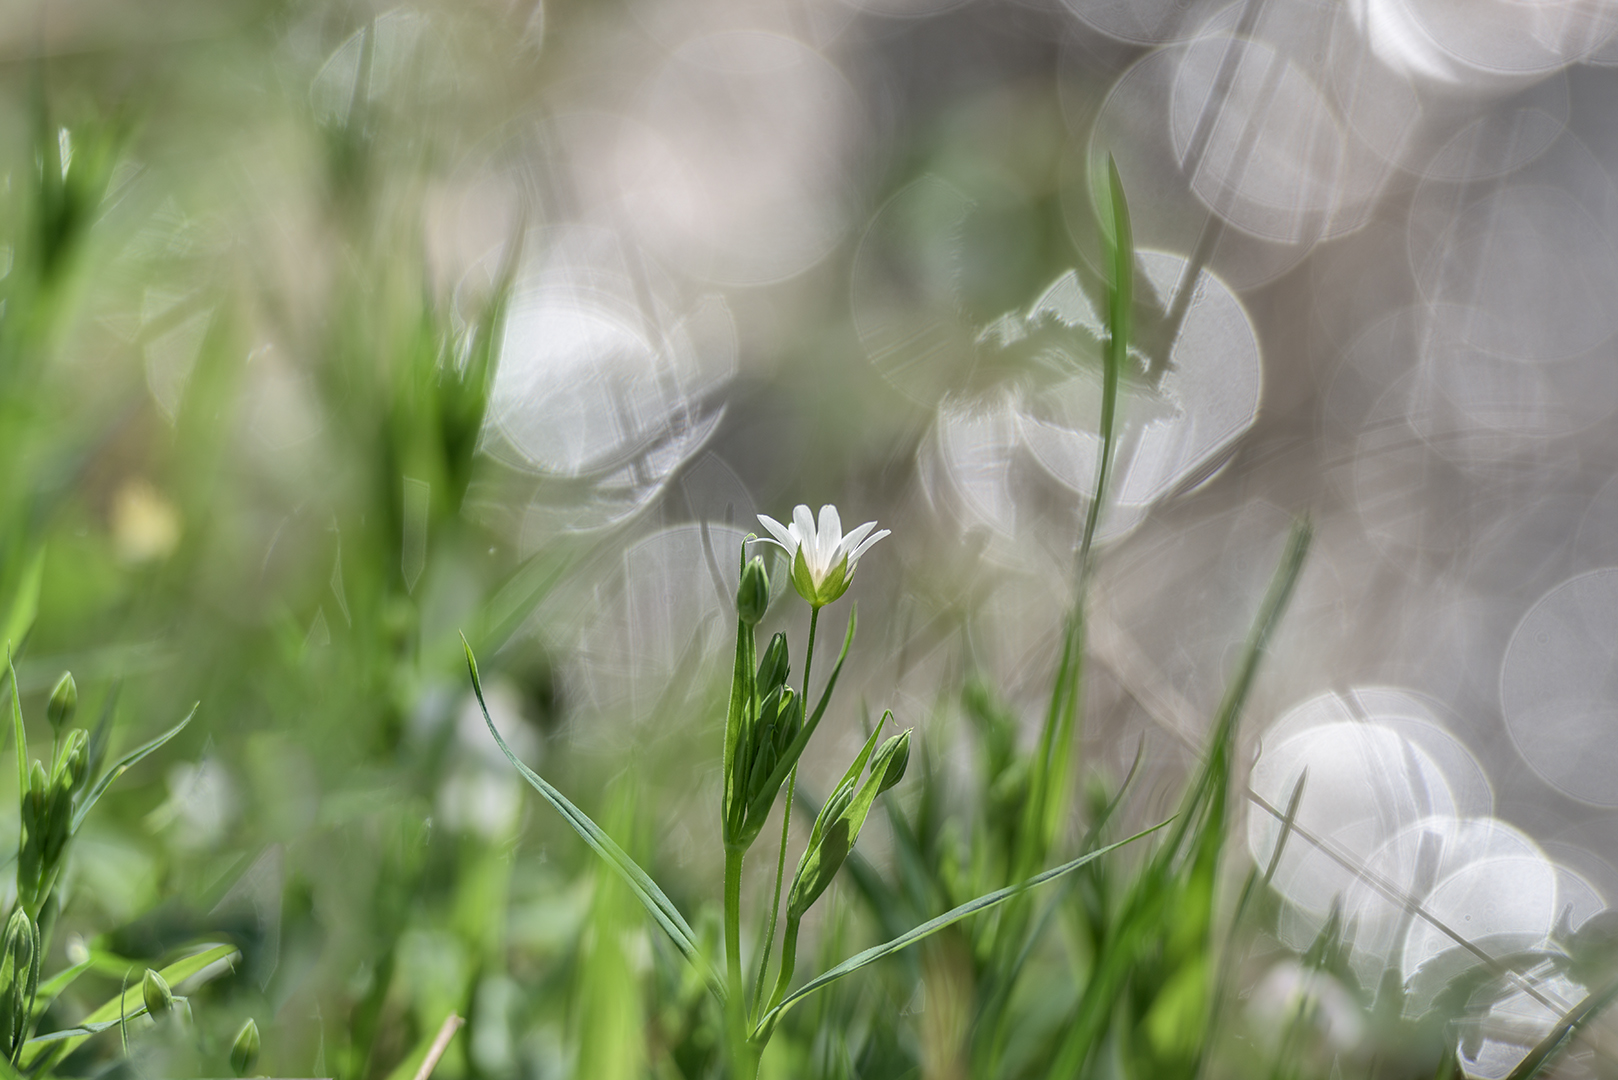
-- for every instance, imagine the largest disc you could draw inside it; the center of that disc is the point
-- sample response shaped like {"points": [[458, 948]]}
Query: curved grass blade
{"points": [[652, 898], [58, 1044], [19, 731], [1574, 1019], [932, 926], [122, 765]]}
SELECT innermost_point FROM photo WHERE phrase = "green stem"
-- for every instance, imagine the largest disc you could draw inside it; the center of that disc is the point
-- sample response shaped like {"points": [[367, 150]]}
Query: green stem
{"points": [[786, 825], [733, 926], [789, 961], [808, 658]]}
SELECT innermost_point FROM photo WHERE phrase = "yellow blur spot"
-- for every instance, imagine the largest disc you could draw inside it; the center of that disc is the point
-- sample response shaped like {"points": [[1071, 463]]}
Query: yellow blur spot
{"points": [[145, 525]]}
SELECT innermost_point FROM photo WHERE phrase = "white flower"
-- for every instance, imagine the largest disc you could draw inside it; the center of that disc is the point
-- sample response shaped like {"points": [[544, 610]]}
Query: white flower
{"points": [[822, 560]]}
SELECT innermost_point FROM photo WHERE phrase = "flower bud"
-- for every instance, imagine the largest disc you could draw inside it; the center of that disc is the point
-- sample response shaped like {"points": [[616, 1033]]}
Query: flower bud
{"points": [[244, 1052], [753, 594], [64, 702], [774, 667], [159, 998], [891, 760], [19, 979]]}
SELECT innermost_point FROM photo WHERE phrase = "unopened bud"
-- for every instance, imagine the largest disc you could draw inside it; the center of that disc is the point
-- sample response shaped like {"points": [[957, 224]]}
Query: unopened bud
{"points": [[64, 702], [244, 1051], [773, 667], [37, 780], [159, 998], [891, 760], [753, 594]]}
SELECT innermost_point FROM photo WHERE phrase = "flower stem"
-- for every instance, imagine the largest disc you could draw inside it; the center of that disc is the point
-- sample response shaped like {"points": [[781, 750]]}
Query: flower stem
{"points": [[786, 825], [735, 1007], [733, 927]]}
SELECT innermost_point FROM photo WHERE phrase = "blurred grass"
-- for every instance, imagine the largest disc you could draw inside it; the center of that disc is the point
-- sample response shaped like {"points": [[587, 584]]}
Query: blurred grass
{"points": [[306, 585]]}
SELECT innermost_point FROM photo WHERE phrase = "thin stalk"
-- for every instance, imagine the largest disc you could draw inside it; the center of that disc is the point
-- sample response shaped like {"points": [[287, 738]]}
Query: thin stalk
{"points": [[789, 962], [781, 856], [733, 919], [735, 1007]]}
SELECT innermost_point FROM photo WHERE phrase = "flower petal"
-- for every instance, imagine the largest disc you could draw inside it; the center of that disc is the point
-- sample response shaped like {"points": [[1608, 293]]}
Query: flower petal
{"points": [[831, 532], [783, 536], [852, 540], [866, 546], [803, 527]]}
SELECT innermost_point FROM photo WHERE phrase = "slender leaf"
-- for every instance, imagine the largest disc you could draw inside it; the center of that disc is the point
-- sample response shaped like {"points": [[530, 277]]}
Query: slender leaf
{"points": [[652, 898], [19, 731], [932, 926], [51, 987], [123, 764]]}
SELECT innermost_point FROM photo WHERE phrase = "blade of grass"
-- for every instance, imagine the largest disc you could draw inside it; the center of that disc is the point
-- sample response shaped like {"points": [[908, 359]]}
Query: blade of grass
{"points": [[18, 730], [1149, 911], [123, 764], [933, 925], [651, 897], [1572, 1021]]}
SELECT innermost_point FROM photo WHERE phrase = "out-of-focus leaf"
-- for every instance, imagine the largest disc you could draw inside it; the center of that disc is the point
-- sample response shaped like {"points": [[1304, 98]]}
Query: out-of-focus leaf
{"points": [[122, 765], [652, 898]]}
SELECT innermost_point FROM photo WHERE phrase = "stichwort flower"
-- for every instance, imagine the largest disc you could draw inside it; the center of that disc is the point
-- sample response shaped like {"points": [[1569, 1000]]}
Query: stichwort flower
{"points": [[822, 559]]}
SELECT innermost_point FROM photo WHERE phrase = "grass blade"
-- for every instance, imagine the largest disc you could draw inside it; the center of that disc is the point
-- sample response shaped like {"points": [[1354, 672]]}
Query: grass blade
{"points": [[20, 732], [652, 898], [123, 764], [933, 925], [1575, 1018]]}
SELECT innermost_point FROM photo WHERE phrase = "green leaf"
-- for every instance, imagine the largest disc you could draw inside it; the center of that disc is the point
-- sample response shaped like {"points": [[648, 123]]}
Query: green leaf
{"points": [[1120, 245], [934, 925], [20, 732], [659, 906], [129, 1003], [25, 603], [53, 986], [836, 828], [122, 765]]}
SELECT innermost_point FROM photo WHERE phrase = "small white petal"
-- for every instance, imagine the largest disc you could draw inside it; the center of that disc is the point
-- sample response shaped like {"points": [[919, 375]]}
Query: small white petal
{"points": [[783, 536], [803, 527], [852, 540], [831, 532], [866, 546]]}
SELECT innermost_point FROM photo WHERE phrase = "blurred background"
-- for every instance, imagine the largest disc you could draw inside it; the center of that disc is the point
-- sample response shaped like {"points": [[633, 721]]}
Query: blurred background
{"points": [[331, 330]]}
